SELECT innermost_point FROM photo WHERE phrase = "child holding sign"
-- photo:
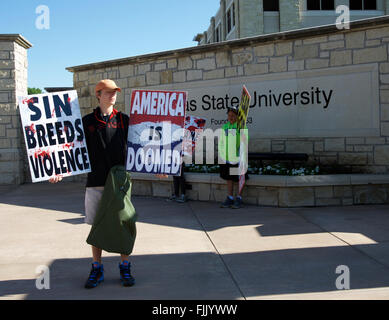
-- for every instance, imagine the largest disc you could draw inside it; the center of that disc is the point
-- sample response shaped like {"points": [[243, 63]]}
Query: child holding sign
{"points": [[106, 132], [228, 148]]}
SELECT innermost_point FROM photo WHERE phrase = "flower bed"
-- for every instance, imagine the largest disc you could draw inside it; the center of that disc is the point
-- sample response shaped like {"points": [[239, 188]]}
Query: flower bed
{"points": [[253, 168]]}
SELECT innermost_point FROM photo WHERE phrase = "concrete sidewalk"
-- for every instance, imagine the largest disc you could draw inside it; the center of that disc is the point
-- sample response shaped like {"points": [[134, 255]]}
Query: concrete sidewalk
{"points": [[194, 250]]}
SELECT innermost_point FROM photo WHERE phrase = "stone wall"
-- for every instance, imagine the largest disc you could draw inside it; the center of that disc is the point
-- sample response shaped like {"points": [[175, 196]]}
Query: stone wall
{"points": [[366, 42], [276, 191], [13, 83]]}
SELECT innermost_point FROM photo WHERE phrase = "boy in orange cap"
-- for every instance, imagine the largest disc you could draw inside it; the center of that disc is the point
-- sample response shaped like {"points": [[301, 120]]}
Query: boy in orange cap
{"points": [[106, 132]]}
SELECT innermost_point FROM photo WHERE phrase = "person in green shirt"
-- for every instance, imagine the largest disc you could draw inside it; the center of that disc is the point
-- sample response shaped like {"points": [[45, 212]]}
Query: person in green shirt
{"points": [[229, 151]]}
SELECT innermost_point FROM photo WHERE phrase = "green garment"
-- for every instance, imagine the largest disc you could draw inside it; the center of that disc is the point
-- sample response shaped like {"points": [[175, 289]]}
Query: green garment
{"points": [[229, 142], [114, 228]]}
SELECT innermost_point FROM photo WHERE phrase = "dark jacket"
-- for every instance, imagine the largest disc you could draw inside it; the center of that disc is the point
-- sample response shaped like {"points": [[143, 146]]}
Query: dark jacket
{"points": [[106, 142]]}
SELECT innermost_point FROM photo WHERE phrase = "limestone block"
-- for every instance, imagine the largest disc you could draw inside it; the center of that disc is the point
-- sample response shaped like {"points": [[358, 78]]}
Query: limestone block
{"points": [[384, 67], [343, 192], [143, 68], [179, 76], [283, 48], [278, 64], [372, 43], [223, 59], [315, 40], [126, 71], [377, 33], [334, 144], [161, 189], [4, 97], [306, 52], [384, 78], [214, 74], [266, 50], [381, 155], [299, 147], [185, 63], [12, 133], [370, 55], [363, 148], [260, 145], [375, 140], [316, 63], [7, 84], [335, 37], [166, 77], [296, 197], [4, 55], [231, 72], [332, 45], [324, 192], [252, 69], [352, 158], [241, 58], [295, 65], [204, 191], [172, 63], [384, 95], [160, 66], [194, 75], [371, 194], [141, 188], [355, 40], [328, 202], [319, 146], [267, 196], [206, 64], [7, 45], [341, 58], [152, 78], [355, 140], [138, 81]]}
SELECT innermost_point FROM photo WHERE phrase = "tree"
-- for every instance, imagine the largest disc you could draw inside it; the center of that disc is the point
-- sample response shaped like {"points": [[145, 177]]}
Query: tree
{"points": [[34, 91]]}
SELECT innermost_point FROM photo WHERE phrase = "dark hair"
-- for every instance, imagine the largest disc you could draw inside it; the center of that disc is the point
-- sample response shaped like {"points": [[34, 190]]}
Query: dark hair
{"points": [[234, 110]]}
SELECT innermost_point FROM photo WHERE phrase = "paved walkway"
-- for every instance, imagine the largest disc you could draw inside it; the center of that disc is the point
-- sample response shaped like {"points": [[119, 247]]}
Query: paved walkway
{"points": [[194, 250]]}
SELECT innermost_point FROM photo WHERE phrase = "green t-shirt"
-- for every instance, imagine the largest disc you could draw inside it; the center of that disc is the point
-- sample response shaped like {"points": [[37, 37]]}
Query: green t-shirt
{"points": [[230, 142]]}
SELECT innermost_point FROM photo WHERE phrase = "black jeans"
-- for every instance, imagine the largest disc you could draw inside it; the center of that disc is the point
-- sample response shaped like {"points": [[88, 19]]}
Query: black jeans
{"points": [[179, 182]]}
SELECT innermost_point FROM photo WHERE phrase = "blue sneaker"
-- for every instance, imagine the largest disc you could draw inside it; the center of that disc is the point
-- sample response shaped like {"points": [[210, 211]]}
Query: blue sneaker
{"points": [[125, 274], [96, 276], [238, 203], [227, 203]]}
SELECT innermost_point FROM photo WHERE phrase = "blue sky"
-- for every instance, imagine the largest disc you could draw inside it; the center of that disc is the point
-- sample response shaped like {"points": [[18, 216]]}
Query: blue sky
{"points": [[87, 31]]}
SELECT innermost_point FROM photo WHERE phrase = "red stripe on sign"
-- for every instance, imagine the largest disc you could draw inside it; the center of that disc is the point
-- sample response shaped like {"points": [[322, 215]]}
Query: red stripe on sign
{"points": [[136, 119]]}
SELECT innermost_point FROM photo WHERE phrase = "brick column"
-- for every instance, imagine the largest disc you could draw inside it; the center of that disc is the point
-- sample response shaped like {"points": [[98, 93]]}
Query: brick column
{"points": [[13, 83]]}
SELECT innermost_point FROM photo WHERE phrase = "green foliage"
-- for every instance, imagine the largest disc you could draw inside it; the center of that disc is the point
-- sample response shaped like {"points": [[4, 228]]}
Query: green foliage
{"points": [[34, 91], [275, 169]]}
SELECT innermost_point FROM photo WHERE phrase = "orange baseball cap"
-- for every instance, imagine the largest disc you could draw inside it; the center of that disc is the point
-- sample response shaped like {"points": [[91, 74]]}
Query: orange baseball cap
{"points": [[107, 84]]}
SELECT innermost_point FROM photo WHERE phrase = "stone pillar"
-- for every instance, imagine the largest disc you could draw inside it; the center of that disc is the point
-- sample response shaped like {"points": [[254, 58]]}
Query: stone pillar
{"points": [[223, 20], [237, 20], [13, 83], [250, 18], [290, 14], [213, 34]]}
